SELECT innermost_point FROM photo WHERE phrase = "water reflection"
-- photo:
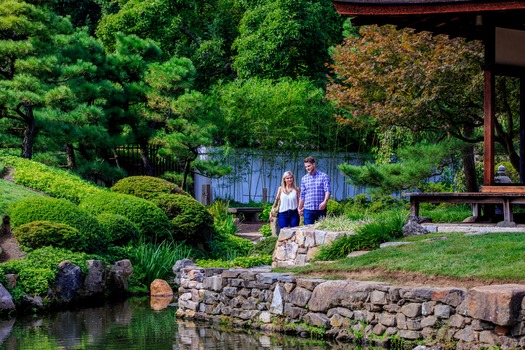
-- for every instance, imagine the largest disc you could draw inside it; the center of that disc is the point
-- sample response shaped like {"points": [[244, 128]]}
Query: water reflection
{"points": [[134, 325]]}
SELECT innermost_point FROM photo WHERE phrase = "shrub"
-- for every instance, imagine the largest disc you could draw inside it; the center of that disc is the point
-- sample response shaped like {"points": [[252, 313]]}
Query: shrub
{"points": [[146, 187], [54, 182], [228, 247], [92, 237], [190, 218], [334, 208], [266, 230], [38, 234], [120, 229], [265, 246], [150, 220]]}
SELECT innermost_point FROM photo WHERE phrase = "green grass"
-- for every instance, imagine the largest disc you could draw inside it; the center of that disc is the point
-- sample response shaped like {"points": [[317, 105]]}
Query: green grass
{"points": [[495, 256], [10, 193]]}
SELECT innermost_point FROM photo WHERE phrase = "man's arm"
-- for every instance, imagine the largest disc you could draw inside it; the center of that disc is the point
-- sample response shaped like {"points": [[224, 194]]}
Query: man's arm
{"points": [[327, 191]]}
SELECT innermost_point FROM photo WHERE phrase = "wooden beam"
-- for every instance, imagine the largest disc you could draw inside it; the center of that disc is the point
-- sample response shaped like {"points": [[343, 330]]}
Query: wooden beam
{"points": [[489, 106]]}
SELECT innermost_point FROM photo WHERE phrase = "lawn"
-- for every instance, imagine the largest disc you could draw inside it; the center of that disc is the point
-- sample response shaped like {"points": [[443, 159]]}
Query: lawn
{"points": [[494, 257]]}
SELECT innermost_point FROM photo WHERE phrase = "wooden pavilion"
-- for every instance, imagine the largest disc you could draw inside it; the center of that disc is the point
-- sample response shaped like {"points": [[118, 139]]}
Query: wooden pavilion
{"points": [[500, 25]]}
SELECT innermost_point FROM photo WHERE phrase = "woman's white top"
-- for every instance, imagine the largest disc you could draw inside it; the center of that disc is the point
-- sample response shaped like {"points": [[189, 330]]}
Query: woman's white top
{"points": [[288, 201]]}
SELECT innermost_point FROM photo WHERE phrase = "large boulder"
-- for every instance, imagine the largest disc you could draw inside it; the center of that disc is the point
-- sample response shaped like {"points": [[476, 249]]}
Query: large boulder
{"points": [[68, 281]]}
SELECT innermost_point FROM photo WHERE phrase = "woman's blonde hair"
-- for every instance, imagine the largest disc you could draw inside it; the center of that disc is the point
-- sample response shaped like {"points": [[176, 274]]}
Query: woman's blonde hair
{"points": [[283, 182]]}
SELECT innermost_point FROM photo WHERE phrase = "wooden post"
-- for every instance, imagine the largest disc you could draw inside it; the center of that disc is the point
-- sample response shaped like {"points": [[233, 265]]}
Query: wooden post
{"points": [[206, 194], [489, 107]]}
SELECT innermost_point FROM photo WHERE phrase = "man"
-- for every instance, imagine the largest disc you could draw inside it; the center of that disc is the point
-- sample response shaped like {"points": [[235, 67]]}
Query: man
{"points": [[315, 192]]}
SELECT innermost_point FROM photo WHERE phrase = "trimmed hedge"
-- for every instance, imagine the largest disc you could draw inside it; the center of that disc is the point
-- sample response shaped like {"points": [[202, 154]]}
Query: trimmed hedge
{"points": [[146, 187], [54, 182], [120, 229], [93, 237], [150, 220], [38, 234], [190, 218]]}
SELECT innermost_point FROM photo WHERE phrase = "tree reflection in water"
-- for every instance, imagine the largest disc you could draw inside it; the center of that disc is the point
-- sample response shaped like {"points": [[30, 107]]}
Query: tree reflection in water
{"points": [[135, 325]]}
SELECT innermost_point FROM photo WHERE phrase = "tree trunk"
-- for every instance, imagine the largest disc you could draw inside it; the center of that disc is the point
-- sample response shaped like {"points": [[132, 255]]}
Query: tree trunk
{"points": [[148, 169], [186, 172], [70, 156], [29, 132], [469, 165]]}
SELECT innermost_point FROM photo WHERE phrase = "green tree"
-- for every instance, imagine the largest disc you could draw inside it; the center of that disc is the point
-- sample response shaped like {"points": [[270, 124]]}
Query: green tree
{"points": [[183, 113], [287, 38], [411, 170], [200, 30], [287, 114], [424, 84]]}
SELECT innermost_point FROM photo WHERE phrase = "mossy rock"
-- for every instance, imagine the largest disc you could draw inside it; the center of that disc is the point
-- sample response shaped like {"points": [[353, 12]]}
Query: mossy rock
{"points": [[150, 220], [93, 237], [190, 218], [146, 187], [120, 229]]}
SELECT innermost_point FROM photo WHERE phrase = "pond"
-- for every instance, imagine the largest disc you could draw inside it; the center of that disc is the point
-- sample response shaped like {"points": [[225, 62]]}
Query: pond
{"points": [[133, 325]]}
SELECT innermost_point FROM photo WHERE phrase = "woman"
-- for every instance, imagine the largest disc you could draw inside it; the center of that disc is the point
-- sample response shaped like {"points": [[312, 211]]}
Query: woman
{"points": [[286, 201]]}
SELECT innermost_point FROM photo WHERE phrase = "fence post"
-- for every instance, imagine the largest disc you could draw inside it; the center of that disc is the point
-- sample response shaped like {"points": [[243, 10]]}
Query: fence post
{"points": [[264, 195], [206, 194]]}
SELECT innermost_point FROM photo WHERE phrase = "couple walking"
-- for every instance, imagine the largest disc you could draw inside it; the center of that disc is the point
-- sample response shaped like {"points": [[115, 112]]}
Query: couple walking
{"points": [[309, 200]]}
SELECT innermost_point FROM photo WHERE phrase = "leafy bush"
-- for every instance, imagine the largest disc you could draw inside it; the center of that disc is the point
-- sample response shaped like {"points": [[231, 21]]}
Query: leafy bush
{"points": [[334, 208], [120, 229], [54, 182], [38, 234], [228, 247], [150, 220], [266, 230], [146, 187], [265, 214], [239, 262], [223, 221], [265, 246], [190, 218], [92, 236]]}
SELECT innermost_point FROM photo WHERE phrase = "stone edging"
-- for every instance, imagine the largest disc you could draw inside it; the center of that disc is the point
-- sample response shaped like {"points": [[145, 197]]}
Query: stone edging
{"points": [[350, 311]]}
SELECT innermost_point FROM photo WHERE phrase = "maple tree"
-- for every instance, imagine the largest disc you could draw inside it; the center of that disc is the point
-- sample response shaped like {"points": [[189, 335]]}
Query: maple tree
{"points": [[423, 83]]}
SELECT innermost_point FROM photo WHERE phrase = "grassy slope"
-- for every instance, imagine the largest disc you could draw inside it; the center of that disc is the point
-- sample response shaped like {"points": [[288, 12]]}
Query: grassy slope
{"points": [[10, 193]]}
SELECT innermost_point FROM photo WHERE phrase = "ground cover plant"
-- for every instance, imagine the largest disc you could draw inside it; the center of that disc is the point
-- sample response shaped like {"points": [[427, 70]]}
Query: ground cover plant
{"points": [[10, 193]]}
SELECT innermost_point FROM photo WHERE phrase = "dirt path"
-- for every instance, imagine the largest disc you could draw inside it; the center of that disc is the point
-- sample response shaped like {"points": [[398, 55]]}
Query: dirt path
{"points": [[10, 248]]}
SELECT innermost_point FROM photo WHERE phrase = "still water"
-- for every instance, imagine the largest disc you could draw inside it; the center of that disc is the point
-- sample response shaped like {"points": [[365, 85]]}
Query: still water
{"points": [[134, 325]]}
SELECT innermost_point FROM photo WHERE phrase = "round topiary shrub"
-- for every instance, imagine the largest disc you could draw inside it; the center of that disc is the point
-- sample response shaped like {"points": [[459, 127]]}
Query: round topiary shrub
{"points": [[38, 234], [190, 218], [120, 229], [146, 187], [150, 220], [93, 237]]}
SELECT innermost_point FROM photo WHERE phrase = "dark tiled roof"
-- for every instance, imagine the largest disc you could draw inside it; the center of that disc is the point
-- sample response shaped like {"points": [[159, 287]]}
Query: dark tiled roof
{"points": [[463, 18]]}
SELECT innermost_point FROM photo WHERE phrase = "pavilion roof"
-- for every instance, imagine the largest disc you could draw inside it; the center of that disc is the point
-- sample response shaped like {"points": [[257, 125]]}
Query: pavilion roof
{"points": [[471, 19]]}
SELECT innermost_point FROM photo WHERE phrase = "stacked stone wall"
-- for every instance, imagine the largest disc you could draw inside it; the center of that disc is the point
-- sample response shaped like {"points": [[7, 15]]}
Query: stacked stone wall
{"points": [[374, 312]]}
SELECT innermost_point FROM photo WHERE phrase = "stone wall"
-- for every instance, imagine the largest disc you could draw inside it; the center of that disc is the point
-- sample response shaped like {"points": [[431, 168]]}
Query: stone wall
{"points": [[297, 245], [351, 311]]}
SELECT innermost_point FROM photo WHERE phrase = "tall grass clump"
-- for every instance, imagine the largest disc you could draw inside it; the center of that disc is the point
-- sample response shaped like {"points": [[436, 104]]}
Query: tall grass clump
{"points": [[151, 261], [368, 235]]}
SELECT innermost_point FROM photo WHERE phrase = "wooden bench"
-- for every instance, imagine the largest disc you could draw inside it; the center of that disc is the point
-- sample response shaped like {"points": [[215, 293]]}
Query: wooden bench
{"points": [[250, 214], [476, 199]]}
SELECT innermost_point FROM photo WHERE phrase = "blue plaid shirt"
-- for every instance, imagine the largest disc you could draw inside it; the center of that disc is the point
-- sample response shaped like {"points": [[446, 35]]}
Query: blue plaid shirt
{"points": [[313, 189]]}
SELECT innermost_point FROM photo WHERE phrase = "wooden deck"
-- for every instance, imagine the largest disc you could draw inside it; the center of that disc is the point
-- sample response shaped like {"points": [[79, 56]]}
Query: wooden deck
{"points": [[476, 199]]}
